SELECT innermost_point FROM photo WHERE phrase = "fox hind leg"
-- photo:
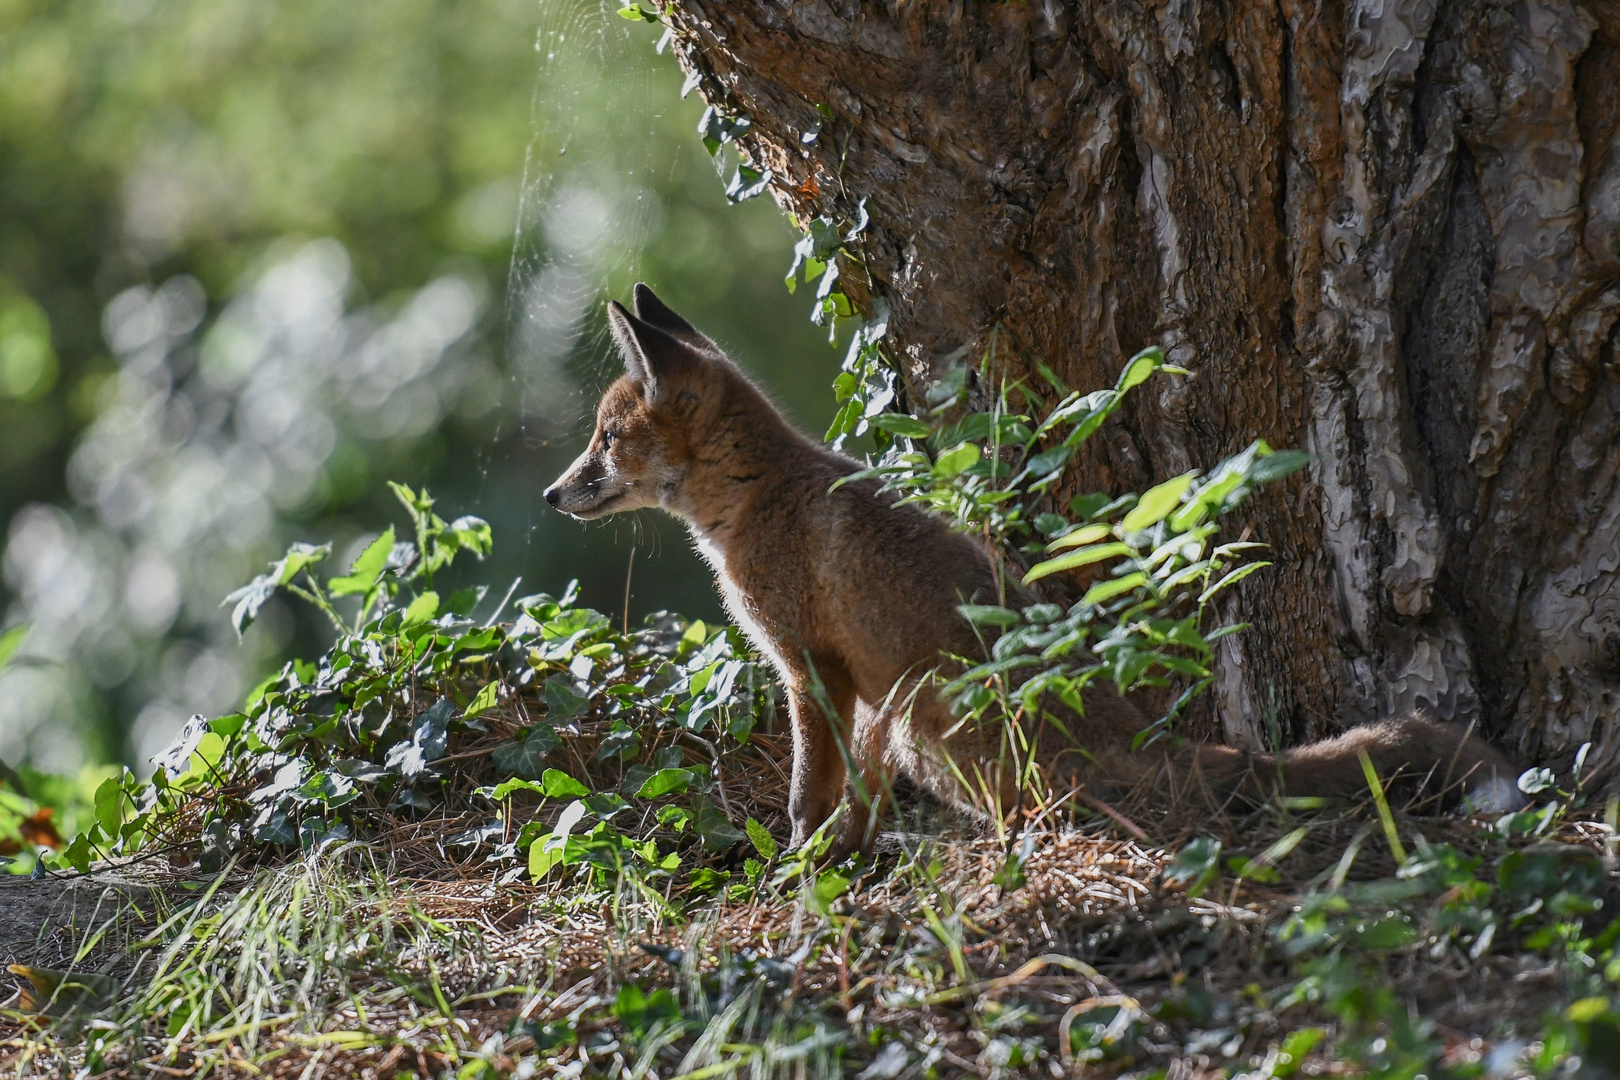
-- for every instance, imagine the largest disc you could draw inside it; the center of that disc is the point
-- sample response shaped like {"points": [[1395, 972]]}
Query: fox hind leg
{"points": [[818, 759], [871, 787]]}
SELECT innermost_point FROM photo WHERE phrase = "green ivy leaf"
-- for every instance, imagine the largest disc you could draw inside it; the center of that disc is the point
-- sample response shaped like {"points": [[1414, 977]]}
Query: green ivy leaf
{"points": [[716, 830], [252, 596], [706, 880], [747, 182], [77, 854], [548, 849], [563, 699], [559, 785], [621, 742], [484, 700], [666, 782], [506, 788], [210, 748], [674, 817], [469, 533], [299, 557], [428, 742], [109, 803], [829, 886], [525, 755], [174, 758]]}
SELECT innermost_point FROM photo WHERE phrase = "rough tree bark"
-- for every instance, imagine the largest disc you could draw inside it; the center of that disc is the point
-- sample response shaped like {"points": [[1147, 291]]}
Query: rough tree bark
{"points": [[1384, 230]]}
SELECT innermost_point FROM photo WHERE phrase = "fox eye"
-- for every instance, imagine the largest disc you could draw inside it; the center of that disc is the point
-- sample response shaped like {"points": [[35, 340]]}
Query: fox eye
{"points": [[607, 439]]}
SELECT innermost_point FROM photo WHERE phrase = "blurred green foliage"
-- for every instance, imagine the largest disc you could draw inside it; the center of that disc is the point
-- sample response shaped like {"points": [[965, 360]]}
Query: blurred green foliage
{"points": [[147, 144]]}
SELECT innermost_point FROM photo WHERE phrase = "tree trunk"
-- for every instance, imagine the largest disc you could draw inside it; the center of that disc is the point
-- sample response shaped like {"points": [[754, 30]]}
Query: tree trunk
{"points": [[1387, 231]]}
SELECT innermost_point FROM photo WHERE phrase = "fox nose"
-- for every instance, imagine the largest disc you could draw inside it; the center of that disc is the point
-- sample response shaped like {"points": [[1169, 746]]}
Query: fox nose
{"points": [[553, 494]]}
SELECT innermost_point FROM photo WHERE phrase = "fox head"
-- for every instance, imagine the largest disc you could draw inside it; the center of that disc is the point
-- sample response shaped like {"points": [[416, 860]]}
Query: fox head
{"points": [[642, 446]]}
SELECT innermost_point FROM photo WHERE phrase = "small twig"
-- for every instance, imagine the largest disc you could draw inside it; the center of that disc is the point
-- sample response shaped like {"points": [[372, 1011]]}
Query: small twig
{"points": [[58, 875], [510, 589], [629, 571], [1103, 808]]}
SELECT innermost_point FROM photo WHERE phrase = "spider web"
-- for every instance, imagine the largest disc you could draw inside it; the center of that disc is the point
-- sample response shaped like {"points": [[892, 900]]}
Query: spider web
{"points": [[588, 202]]}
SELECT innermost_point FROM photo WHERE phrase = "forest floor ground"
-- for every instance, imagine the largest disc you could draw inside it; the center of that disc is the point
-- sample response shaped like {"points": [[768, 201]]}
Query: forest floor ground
{"points": [[1305, 943]]}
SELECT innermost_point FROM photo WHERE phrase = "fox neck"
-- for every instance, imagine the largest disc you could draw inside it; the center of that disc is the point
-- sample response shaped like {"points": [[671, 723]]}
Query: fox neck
{"points": [[740, 453]]}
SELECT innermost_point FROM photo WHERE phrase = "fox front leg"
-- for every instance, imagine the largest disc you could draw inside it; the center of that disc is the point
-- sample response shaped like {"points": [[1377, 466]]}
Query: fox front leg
{"points": [[818, 757]]}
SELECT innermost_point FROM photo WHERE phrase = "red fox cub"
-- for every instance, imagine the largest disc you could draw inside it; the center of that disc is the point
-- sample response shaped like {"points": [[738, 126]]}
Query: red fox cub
{"points": [[854, 600]]}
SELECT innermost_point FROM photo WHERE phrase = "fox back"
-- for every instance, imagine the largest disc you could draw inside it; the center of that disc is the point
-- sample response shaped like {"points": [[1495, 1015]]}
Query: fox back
{"points": [[853, 597]]}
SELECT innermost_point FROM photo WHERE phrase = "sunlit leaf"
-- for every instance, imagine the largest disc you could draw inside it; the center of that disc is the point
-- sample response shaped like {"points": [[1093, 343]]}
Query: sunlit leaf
{"points": [[1230, 579], [666, 782], [1087, 534], [548, 850], [954, 461], [470, 533], [423, 609], [367, 569], [511, 786], [1157, 502], [761, 838], [209, 749], [1104, 591], [10, 640], [484, 700], [829, 886], [1075, 559], [1139, 367], [559, 785], [173, 758], [299, 557]]}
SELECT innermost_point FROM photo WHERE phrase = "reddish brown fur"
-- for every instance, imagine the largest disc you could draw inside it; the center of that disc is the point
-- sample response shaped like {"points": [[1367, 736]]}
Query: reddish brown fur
{"points": [[854, 600]]}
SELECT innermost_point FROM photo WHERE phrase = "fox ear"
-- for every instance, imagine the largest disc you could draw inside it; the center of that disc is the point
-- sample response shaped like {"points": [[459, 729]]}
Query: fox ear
{"points": [[655, 312], [651, 356]]}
